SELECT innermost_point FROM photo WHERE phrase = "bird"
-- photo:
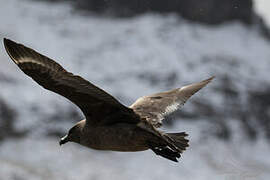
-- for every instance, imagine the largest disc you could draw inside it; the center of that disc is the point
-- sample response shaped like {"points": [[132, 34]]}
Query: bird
{"points": [[108, 124]]}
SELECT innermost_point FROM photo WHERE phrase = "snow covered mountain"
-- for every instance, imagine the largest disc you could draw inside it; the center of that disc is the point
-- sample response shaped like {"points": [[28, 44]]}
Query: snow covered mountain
{"points": [[130, 58]]}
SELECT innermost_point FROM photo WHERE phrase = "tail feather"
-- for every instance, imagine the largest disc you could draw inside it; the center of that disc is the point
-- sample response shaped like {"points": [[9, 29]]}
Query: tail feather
{"points": [[176, 144], [179, 140], [166, 153]]}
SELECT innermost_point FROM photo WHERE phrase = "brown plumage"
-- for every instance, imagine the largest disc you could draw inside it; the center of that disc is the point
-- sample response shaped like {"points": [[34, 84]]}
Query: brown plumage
{"points": [[108, 124]]}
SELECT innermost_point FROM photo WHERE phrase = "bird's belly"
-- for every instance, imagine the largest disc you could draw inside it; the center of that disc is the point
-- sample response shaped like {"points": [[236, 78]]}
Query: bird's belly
{"points": [[117, 138]]}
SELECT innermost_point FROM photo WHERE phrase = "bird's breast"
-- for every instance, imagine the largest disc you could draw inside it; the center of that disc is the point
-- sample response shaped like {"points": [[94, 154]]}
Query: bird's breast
{"points": [[120, 137]]}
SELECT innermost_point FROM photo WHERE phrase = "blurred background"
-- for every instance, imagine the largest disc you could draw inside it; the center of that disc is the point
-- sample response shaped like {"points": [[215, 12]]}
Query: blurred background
{"points": [[130, 49]]}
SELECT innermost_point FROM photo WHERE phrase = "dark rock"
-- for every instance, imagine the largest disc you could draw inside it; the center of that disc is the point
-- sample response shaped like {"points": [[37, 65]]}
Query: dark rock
{"points": [[55, 133], [214, 12], [70, 114], [259, 110], [92, 5], [218, 128], [53, 1], [207, 11], [7, 122], [250, 128], [157, 79], [61, 116], [6, 79], [263, 28]]}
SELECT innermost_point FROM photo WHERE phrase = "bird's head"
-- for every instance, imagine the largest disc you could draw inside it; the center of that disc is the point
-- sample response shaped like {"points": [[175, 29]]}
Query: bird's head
{"points": [[73, 135]]}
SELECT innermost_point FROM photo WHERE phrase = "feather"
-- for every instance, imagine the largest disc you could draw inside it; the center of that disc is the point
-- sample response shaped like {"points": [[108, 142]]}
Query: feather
{"points": [[154, 108], [95, 103]]}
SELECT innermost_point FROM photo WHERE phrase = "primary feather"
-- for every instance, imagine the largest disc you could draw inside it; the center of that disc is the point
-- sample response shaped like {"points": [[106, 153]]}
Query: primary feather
{"points": [[95, 103]]}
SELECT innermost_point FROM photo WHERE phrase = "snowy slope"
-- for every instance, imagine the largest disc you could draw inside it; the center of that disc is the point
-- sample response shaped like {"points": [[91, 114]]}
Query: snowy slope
{"points": [[129, 58]]}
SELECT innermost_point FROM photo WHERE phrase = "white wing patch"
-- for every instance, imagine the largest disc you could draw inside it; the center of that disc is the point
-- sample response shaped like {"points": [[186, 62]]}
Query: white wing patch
{"points": [[182, 88], [171, 108], [28, 60]]}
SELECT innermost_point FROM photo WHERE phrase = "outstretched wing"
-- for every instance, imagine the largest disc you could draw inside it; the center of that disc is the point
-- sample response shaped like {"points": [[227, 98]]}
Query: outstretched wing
{"points": [[155, 107], [95, 103]]}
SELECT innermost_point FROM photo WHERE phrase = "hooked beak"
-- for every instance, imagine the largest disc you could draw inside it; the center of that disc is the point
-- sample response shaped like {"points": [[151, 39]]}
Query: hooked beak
{"points": [[64, 140]]}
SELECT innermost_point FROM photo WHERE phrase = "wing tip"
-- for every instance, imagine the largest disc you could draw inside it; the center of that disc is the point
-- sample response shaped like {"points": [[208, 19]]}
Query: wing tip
{"points": [[5, 40], [197, 86], [210, 79], [207, 81], [8, 43], [10, 49]]}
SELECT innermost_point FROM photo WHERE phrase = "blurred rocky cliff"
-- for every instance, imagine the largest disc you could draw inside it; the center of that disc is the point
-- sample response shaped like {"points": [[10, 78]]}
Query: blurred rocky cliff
{"points": [[132, 48], [235, 52], [207, 11]]}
